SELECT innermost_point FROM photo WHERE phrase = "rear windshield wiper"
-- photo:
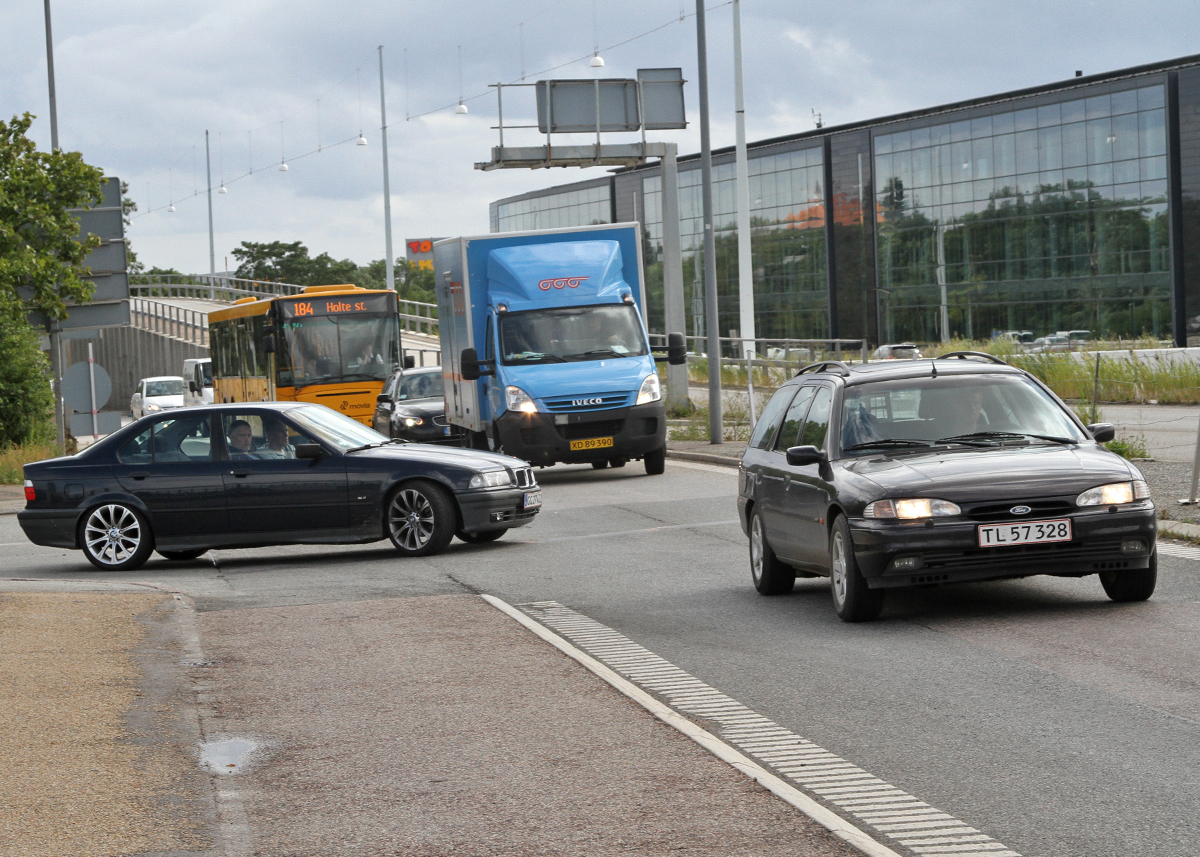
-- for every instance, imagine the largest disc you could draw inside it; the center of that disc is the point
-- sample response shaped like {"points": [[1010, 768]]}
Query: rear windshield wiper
{"points": [[1000, 435], [887, 441]]}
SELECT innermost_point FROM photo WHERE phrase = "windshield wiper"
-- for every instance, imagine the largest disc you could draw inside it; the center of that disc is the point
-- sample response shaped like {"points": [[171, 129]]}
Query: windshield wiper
{"points": [[1000, 435], [367, 446], [531, 356], [600, 351], [887, 441]]}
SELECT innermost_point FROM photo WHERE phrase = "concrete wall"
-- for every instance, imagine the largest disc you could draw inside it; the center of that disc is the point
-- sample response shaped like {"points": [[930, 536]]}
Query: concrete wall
{"points": [[129, 354]]}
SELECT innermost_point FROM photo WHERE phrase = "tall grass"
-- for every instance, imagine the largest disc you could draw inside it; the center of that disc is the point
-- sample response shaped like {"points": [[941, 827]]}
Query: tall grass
{"points": [[12, 458]]}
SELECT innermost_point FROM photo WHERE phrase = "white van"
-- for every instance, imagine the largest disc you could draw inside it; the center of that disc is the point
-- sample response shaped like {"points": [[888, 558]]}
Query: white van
{"points": [[198, 386]]}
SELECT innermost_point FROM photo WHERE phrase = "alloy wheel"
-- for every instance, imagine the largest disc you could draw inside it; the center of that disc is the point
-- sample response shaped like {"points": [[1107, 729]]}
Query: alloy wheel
{"points": [[756, 549], [837, 572], [411, 519], [112, 534]]}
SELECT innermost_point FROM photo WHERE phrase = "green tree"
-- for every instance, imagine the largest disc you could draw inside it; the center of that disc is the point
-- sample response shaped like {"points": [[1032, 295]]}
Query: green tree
{"points": [[41, 256], [26, 403], [290, 263]]}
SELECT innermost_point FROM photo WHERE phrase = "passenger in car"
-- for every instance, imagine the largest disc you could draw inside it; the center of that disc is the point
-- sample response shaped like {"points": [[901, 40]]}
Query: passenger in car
{"points": [[277, 441], [241, 440]]}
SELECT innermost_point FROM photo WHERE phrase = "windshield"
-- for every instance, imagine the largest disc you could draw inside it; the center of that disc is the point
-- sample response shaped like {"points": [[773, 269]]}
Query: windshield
{"points": [[173, 387], [334, 428], [328, 349], [421, 385], [982, 409], [570, 334]]}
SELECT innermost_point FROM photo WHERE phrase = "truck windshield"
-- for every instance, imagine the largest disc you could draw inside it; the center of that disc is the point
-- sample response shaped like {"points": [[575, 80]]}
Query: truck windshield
{"points": [[332, 349], [571, 334]]}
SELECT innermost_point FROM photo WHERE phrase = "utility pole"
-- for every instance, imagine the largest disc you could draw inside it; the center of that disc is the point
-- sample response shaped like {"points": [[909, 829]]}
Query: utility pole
{"points": [[212, 253], [60, 434], [389, 262], [715, 431], [745, 261]]}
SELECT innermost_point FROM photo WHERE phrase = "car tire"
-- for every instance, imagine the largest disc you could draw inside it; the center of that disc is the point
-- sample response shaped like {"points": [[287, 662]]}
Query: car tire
{"points": [[115, 537], [853, 600], [599, 465], [420, 519], [1135, 585], [182, 556], [770, 575], [655, 461], [481, 538]]}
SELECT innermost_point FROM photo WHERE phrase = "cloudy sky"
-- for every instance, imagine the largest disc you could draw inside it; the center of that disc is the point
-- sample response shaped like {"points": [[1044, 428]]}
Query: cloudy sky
{"points": [[139, 82]]}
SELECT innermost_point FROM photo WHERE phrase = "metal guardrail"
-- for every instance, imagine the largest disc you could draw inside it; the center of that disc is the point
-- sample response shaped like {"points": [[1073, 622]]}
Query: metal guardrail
{"points": [[415, 316], [169, 320], [777, 352]]}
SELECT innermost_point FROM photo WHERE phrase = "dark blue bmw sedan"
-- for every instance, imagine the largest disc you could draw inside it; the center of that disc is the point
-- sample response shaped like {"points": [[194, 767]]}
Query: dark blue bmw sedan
{"points": [[249, 475]]}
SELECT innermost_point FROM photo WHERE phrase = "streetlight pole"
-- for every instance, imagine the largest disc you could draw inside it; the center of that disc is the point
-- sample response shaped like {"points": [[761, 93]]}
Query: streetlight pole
{"points": [[715, 431], [389, 262], [212, 253], [60, 433], [745, 260]]}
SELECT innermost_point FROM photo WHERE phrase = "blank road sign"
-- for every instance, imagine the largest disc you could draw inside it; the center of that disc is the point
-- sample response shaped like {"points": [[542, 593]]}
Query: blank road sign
{"points": [[570, 105]]}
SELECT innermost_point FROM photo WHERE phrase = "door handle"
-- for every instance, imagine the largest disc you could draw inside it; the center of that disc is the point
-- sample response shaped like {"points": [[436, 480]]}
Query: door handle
{"points": [[240, 474], [138, 477]]}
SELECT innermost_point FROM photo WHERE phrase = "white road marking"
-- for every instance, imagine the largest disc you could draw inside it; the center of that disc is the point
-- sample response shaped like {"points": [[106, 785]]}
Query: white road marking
{"points": [[856, 794], [1181, 551], [628, 532]]}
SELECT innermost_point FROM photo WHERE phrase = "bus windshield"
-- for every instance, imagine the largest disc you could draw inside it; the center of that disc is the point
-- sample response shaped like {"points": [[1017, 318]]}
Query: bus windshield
{"points": [[571, 334], [332, 349]]}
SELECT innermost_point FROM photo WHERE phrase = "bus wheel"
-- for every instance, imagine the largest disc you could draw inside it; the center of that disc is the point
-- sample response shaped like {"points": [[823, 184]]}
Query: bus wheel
{"points": [[420, 519]]}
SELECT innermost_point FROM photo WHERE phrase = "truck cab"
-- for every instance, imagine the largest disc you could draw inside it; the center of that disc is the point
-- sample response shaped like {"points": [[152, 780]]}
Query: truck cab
{"points": [[197, 381], [549, 355]]}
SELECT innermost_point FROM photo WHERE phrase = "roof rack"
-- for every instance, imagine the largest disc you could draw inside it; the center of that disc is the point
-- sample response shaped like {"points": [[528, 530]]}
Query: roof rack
{"points": [[967, 355], [839, 367]]}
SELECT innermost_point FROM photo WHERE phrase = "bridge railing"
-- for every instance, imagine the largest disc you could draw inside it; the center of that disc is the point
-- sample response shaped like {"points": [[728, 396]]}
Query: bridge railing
{"points": [[415, 316], [169, 320]]}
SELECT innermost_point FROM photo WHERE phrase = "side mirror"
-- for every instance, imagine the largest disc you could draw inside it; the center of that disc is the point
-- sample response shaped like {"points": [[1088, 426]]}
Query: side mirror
{"points": [[383, 397], [676, 349], [799, 456], [409, 361], [191, 386], [470, 364], [269, 344], [1102, 432], [311, 451]]}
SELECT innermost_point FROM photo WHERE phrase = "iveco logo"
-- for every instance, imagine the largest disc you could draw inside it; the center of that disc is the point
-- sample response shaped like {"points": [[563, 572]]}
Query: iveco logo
{"points": [[1020, 510], [579, 403]]}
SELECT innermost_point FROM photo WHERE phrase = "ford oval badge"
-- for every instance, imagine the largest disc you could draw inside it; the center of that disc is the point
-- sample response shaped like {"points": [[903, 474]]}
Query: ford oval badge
{"points": [[1020, 510]]}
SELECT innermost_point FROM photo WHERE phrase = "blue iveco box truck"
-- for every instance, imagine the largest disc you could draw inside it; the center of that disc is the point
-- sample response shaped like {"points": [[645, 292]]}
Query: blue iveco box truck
{"points": [[544, 345]]}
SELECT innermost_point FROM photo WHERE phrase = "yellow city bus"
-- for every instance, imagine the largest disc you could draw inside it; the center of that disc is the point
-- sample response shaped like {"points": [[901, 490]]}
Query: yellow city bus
{"points": [[330, 345]]}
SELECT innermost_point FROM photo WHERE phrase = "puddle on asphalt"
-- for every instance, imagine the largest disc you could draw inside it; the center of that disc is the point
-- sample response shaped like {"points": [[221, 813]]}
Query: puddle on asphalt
{"points": [[226, 757]]}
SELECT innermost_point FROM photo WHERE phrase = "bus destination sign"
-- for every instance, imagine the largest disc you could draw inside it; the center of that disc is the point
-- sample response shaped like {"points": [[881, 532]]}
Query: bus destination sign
{"points": [[347, 304]]}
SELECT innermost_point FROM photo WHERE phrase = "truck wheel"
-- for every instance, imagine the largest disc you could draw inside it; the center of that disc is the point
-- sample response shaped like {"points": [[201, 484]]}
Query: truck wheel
{"points": [[655, 461], [475, 440], [420, 519], [599, 465], [617, 462]]}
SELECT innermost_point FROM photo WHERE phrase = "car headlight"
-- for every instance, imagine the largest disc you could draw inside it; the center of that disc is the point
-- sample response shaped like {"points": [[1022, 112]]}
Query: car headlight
{"points": [[150, 406], [1114, 494], [913, 509], [410, 420], [491, 479], [518, 400], [651, 390]]}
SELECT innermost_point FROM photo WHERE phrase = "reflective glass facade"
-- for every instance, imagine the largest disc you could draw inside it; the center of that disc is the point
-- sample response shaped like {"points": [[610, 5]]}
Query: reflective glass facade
{"points": [[574, 207], [787, 221], [1040, 218], [1073, 206]]}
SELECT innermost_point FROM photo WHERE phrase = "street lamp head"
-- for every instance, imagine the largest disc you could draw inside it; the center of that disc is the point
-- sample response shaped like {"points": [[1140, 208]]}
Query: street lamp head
{"points": [[361, 141], [283, 167], [223, 189], [461, 109], [596, 61], [171, 208]]}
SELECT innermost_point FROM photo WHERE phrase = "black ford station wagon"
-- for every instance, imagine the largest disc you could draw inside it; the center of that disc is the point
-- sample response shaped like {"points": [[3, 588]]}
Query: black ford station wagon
{"points": [[962, 468], [249, 475]]}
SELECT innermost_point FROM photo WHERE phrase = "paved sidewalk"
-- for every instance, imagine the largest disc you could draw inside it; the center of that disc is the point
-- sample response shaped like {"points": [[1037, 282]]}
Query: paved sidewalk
{"points": [[12, 499]]}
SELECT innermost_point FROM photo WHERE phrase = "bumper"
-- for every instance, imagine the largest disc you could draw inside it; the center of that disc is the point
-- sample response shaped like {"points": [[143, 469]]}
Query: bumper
{"points": [[496, 510], [53, 528], [949, 552], [545, 439]]}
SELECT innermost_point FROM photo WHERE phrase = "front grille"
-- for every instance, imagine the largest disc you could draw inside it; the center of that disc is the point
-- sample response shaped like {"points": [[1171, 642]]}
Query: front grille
{"points": [[601, 428], [524, 477], [1047, 508], [1101, 551], [587, 402], [440, 420]]}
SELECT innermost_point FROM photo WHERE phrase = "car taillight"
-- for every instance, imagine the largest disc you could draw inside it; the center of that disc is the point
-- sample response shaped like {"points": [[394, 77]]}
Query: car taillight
{"points": [[30, 494]]}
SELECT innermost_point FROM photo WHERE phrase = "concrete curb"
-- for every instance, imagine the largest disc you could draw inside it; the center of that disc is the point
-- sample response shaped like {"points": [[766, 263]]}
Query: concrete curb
{"points": [[684, 455], [831, 821]]}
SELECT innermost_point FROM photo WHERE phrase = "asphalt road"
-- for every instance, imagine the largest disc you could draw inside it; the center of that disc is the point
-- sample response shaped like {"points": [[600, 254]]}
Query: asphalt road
{"points": [[1036, 711]]}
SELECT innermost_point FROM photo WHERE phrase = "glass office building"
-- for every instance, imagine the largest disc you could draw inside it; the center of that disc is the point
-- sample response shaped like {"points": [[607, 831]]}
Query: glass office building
{"points": [[1072, 206]]}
